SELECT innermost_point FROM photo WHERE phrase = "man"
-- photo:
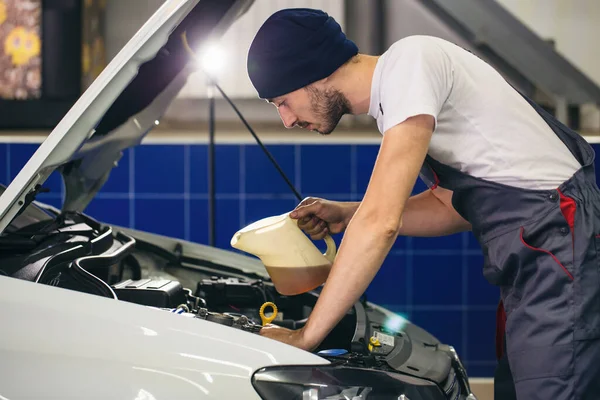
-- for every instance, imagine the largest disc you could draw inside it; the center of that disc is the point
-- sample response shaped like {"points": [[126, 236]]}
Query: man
{"points": [[496, 164]]}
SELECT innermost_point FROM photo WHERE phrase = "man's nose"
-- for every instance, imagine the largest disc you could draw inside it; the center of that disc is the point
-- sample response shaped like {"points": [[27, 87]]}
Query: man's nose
{"points": [[287, 117]]}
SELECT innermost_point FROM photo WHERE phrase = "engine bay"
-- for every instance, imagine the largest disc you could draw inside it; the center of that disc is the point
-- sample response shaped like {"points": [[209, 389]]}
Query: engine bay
{"points": [[358, 341], [75, 252], [364, 338]]}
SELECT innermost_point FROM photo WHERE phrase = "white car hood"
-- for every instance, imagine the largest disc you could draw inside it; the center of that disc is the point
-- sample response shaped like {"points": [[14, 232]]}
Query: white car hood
{"points": [[57, 343], [122, 104]]}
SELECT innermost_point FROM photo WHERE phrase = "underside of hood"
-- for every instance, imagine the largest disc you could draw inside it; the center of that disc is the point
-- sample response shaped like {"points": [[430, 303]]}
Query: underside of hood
{"points": [[122, 104]]}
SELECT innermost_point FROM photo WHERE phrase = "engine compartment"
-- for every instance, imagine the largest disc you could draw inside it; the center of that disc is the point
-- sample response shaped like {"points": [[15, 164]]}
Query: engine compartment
{"points": [[358, 341], [364, 338], [75, 252]]}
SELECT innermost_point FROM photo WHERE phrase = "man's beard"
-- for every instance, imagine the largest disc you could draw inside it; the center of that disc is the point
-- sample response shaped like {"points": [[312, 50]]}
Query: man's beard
{"points": [[328, 106]]}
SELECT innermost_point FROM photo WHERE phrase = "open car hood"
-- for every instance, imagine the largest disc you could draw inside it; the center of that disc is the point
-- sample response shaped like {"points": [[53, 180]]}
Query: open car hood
{"points": [[122, 104]]}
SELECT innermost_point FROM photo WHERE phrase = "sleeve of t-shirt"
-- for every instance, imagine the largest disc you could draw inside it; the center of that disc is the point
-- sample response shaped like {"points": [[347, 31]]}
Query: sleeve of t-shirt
{"points": [[416, 79]]}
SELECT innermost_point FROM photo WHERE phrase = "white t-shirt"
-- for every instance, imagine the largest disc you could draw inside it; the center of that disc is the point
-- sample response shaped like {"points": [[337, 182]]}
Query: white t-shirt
{"points": [[484, 127]]}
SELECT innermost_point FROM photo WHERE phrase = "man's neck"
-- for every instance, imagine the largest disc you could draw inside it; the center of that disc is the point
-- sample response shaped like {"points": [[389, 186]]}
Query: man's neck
{"points": [[354, 81]]}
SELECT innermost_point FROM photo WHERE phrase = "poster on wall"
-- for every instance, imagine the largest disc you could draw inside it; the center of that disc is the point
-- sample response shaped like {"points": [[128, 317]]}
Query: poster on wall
{"points": [[20, 49]]}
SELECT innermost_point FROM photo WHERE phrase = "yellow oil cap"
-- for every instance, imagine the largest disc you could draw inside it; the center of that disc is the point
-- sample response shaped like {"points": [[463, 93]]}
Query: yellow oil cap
{"points": [[267, 320]]}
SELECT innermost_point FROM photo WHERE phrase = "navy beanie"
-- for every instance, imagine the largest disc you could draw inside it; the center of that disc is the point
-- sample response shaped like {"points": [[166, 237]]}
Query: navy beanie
{"points": [[294, 48]]}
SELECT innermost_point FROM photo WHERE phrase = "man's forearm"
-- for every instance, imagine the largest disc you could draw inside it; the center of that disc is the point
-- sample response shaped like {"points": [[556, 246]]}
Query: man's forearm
{"points": [[364, 247], [425, 215]]}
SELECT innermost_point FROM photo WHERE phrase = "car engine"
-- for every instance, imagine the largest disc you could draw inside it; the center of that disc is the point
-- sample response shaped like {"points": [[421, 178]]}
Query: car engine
{"points": [[77, 253], [358, 341]]}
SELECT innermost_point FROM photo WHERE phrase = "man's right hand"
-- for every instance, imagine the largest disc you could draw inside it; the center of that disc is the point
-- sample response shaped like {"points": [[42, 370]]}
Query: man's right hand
{"points": [[319, 217]]}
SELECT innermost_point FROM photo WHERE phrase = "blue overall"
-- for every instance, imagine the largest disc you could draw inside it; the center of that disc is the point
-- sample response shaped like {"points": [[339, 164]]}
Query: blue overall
{"points": [[542, 248]]}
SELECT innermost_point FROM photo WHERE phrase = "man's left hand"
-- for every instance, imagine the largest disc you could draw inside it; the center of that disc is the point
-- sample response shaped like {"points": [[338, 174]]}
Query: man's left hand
{"points": [[292, 337]]}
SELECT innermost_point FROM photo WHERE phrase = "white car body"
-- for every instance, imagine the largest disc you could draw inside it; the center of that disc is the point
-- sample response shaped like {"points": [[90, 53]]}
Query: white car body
{"points": [[58, 344]]}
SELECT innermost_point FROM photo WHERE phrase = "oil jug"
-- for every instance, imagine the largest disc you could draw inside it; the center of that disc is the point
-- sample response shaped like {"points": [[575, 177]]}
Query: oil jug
{"points": [[291, 259]]}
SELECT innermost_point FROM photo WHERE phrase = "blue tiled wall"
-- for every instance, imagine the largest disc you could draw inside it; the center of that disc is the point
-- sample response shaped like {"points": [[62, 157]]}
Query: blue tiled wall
{"points": [[436, 282]]}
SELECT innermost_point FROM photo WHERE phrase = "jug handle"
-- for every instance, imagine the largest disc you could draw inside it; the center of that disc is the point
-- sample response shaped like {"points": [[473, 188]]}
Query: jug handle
{"points": [[331, 248]]}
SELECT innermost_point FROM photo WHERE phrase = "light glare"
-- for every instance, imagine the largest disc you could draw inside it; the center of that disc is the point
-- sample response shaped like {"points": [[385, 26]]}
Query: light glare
{"points": [[395, 323], [213, 59]]}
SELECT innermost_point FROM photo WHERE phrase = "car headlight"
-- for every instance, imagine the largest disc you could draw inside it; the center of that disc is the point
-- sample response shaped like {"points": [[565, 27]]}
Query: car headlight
{"points": [[340, 383]]}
